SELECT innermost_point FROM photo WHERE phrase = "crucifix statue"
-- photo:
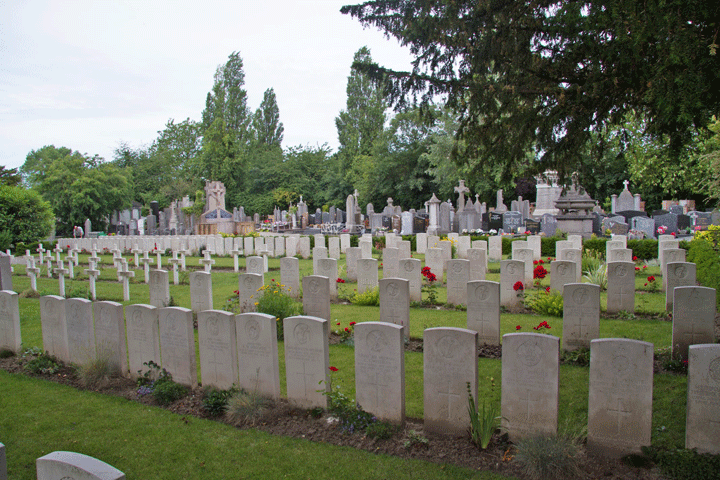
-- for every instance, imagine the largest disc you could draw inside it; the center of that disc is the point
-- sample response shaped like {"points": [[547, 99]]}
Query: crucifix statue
{"points": [[461, 190]]}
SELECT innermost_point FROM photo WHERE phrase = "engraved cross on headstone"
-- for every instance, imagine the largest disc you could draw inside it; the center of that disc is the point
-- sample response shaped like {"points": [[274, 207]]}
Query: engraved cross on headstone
{"points": [[619, 412], [449, 397]]}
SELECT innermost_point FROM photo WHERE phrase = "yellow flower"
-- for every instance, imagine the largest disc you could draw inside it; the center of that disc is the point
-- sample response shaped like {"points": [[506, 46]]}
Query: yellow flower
{"points": [[251, 296], [256, 304]]}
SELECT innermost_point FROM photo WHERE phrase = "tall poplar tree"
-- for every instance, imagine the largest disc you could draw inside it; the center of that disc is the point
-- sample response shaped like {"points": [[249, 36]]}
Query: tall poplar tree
{"points": [[267, 126]]}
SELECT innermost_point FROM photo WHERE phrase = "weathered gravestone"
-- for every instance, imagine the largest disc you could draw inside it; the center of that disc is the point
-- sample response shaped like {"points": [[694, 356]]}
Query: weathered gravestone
{"points": [[319, 253], [581, 315], [257, 351], [218, 348], [525, 255], [573, 255], [495, 248], [395, 302], [703, 399], [435, 261], [54, 328], [511, 272], [410, 270], [478, 263], [391, 262], [304, 247], [483, 311], [201, 291], [620, 255], [380, 370], [5, 272], [255, 264], [667, 220], [159, 288], [677, 274], [672, 255], [81, 333], [458, 276], [143, 338], [620, 287], [307, 360], [548, 225], [250, 289], [562, 272], [316, 296], [449, 365], [74, 466], [530, 384], [463, 245], [352, 256], [367, 269], [10, 338], [693, 318], [177, 344], [405, 249], [290, 276], [334, 248], [620, 400], [645, 225], [327, 267], [110, 340]]}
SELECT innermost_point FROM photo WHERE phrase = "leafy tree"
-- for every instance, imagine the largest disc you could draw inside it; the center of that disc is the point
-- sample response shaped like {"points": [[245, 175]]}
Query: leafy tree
{"points": [[39, 161], [543, 75], [266, 122], [708, 157], [228, 99], [9, 177], [363, 120], [24, 214], [79, 187]]}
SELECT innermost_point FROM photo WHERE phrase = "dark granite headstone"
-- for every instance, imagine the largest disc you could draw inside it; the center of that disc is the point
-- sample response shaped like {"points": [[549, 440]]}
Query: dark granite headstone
{"points": [[683, 222], [496, 221], [548, 225], [645, 225], [597, 223], [485, 222], [387, 222], [311, 219], [668, 220], [326, 217], [618, 228], [155, 208], [511, 221], [630, 214], [532, 226], [419, 224], [677, 209]]}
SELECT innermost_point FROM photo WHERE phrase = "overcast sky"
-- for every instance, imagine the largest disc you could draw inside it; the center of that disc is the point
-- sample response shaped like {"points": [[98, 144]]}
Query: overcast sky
{"points": [[89, 75]]}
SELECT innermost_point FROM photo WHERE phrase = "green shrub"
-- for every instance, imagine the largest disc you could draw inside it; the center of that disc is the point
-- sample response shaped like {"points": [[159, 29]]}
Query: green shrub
{"points": [[545, 302], [682, 464], [42, 362], [166, 391], [506, 246], [545, 457], [246, 408], [274, 301], [591, 260], [370, 297], [215, 401], [644, 249], [6, 240], [547, 246], [413, 241], [380, 430], [579, 356], [707, 259], [596, 245]]}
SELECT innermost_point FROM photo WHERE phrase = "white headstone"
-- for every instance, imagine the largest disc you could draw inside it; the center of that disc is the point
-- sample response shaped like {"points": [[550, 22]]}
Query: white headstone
{"points": [[218, 348], [257, 351], [380, 370], [143, 337], [483, 311], [581, 315], [177, 344], [110, 335], [81, 333], [54, 329], [74, 466], [316, 296], [201, 291], [703, 399], [10, 338], [307, 360], [410, 270], [395, 303], [250, 290], [694, 313]]}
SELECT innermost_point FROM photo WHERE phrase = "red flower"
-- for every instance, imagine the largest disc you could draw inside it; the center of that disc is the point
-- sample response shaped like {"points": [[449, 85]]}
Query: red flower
{"points": [[645, 285], [352, 323], [651, 279], [272, 279], [637, 268], [539, 272], [547, 289], [535, 262], [541, 262], [347, 329], [549, 259], [340, 280], [518, 327], [338, 323], [333, 369], [518, 286], [644, 266], [635, 258]]}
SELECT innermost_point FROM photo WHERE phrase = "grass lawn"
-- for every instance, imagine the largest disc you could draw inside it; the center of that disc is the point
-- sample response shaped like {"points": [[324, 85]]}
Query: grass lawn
{"points": [[39, 417]]}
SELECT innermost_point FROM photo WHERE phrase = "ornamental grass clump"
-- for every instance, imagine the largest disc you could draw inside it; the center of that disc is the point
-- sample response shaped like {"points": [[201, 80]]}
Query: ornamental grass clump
{"points": [[246, 408], [98, 371], [597, 276], [548, 457], [483, 422]]}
